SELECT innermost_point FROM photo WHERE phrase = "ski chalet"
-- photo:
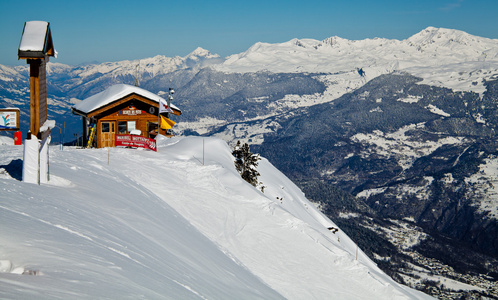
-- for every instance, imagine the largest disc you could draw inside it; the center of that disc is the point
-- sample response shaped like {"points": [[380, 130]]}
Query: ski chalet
{"points": [[123, 110]]}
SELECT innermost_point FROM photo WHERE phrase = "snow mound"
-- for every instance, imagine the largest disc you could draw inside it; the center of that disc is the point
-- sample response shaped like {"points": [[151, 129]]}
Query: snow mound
{"points": [[5, 140]]}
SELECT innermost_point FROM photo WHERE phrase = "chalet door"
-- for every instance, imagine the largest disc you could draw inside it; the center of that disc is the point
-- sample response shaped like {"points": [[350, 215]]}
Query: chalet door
{"points": [[107, 134], [151, 129]]}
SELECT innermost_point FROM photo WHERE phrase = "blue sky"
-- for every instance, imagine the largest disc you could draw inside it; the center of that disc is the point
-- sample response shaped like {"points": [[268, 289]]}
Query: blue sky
{"points": [[101, 31]]}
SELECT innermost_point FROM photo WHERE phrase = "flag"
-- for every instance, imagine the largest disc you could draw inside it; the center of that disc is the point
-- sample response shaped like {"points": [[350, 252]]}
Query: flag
{"points": [[166, 123], [163, 107]]}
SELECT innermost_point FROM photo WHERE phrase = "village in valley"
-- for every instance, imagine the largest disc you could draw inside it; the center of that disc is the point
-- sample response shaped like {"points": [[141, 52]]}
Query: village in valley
{"points": [[438, 279]]}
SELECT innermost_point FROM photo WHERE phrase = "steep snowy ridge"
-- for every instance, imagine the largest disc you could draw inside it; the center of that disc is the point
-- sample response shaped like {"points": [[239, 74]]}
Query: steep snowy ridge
{"points": [[9, 74], [444, 57], [152, 66], [125, 223]]}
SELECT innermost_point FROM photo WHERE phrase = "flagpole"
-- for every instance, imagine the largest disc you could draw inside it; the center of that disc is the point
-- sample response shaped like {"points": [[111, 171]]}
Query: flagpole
{"points": [[168, 101], [167, 109]]}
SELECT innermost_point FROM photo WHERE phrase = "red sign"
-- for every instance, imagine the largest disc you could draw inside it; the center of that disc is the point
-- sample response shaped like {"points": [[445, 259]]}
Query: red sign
{"points": [[18, 138], [127, 140]]}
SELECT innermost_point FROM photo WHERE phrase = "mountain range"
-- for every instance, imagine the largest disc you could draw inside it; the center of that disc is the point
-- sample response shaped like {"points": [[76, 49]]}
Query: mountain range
{"points": [[391, 138]]}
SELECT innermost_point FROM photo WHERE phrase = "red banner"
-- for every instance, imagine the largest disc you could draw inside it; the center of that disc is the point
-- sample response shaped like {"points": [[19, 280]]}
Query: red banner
{"points": [[137, 141]]}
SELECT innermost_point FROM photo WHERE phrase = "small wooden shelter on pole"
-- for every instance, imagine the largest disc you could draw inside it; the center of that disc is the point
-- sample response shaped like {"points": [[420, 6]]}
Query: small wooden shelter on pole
{"points": [[36, 47]]}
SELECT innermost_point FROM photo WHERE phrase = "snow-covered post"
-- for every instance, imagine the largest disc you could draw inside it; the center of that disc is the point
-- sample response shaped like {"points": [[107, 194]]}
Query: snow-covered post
{"points": [[36, 46], [31, 161], [35, 168], [44, 161]]}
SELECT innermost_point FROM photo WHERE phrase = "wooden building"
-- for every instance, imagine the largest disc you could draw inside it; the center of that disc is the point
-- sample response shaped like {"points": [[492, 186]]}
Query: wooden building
{"points": [[121, 110]]}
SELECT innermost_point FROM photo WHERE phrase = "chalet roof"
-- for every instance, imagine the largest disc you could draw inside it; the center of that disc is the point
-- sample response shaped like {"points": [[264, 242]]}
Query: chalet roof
{"points": [[36, 40], [115, 93]]}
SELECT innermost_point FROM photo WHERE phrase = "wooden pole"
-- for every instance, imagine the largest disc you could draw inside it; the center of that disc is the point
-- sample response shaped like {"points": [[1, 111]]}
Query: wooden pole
{"points": [[34, 84], [38, 94]]}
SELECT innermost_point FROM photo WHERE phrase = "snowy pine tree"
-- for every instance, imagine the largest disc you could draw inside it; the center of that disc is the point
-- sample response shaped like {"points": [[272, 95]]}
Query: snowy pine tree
{"points": [[246, 163]]}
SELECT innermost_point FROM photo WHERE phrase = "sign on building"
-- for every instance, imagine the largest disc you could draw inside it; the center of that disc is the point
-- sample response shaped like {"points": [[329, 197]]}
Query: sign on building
{"points": [[135, 141]]}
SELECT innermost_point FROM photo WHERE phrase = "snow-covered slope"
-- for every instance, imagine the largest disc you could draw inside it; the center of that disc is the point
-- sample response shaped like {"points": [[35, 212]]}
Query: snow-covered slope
{"points": [[95, 234], [125, 223], [5, 140]]}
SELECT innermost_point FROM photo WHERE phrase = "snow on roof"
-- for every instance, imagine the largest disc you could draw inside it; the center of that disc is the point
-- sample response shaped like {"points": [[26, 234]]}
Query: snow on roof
{"points": [[115, 93], [34, 36]]}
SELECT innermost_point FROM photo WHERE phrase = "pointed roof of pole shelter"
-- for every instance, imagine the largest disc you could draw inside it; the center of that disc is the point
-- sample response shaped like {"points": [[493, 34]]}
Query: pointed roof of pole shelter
{"points": [[36, 41], [115, 93]]}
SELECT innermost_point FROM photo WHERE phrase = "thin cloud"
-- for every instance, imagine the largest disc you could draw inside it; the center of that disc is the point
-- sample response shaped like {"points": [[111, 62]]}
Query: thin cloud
{"points": [[452, 6]]}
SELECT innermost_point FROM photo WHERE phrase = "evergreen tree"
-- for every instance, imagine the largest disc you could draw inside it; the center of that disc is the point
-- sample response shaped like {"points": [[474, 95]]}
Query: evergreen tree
{"points": [[246, 163]]}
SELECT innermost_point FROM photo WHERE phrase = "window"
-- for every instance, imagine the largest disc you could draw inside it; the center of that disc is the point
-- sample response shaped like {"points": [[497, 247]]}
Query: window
{"points": [[132, 125], [105, 126], [122, 127]]}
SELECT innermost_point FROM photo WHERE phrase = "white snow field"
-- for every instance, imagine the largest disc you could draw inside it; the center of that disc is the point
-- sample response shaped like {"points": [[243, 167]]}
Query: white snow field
{"points": [[442, 57], [179, 223]]}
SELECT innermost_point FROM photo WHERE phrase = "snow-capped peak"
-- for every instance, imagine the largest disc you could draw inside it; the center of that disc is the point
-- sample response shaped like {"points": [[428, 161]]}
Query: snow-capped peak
{"points": [[335, 41], [450, 38], [200, 53], [200, 58]]}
